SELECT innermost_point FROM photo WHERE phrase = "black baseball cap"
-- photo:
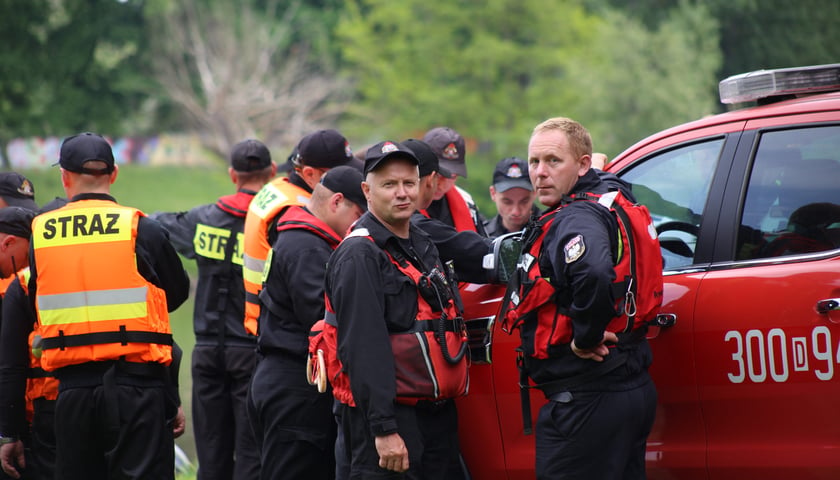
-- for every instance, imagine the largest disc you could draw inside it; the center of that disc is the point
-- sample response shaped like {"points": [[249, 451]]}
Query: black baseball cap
{"points": [[16, 221], [347, 180], [85, 147], [249, 156], [511, 172], [426, 158], [16, 190], [323, 149], [383, 151], [449, 146]]}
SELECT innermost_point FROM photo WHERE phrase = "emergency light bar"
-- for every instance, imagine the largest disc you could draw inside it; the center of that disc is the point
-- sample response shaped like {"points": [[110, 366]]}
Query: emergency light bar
{"points": [[783, 81]]}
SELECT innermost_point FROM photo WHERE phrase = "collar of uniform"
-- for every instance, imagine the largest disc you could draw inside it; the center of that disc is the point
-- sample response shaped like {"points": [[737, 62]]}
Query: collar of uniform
{"points": [[93, 196], [380, 234]]}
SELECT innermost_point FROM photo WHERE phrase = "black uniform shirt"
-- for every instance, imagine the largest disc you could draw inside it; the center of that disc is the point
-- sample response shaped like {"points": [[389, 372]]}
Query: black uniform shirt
{"points": [[210, 234], [465, 249], [293, 293], [371, 298]]}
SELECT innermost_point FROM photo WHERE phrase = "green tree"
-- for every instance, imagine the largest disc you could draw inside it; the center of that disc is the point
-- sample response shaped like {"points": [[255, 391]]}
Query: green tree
{"points": [[492, 70], [637, 80], [69, 65]]}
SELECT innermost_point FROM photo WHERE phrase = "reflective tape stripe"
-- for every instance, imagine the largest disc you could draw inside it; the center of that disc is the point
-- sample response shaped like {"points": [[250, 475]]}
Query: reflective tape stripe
{"points": [[252, 269], [97, 305]]}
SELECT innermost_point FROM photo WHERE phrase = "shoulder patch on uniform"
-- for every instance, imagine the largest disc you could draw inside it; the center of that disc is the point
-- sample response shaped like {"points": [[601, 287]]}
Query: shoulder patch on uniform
{"points": [[574, 249]]}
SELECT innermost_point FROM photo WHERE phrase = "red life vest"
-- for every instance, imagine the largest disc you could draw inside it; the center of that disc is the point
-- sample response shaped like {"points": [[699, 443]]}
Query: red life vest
{"points": [[463, 210], [638, 277], [425, 369]]}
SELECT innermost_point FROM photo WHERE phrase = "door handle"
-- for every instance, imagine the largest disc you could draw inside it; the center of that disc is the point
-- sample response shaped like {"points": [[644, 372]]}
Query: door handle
{"points": [[828, 305], [665, 320]]}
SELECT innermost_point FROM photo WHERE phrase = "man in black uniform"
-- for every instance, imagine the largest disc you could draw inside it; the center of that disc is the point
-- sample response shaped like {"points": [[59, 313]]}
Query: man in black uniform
{"points": [[108, 391], [381, 311], [292, 421], [15, 232], [466, 248], [513, 195], [602, 400], [452, 205], [224, 355]]}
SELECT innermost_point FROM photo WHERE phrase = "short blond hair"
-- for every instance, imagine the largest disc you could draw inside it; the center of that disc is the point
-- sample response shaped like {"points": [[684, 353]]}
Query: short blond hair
{"points": [[579, 139]]}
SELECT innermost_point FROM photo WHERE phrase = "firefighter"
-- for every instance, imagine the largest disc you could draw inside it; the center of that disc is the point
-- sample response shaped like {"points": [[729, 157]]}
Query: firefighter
{"points": [[224, 355], [293, 423], [513, 195], [452, 205], [388, 297], [315, 154], [578, 346], [104, 278], [15, 231]]}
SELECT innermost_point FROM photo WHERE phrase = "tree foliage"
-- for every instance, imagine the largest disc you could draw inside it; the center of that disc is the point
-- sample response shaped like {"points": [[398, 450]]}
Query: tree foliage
{"points": [[494, 70], [69, 65], [236, 72], [638, 80]]}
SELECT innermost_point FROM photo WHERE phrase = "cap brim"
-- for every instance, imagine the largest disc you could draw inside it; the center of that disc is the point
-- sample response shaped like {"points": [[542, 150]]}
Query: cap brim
{"points": [[371, 166], [506, 185], [285, 167], [444, 172], [27, 203], [457, 168]]}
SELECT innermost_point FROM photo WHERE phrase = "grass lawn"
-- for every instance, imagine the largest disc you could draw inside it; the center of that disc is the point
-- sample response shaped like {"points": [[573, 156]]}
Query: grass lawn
{"points": [[158, 189]]}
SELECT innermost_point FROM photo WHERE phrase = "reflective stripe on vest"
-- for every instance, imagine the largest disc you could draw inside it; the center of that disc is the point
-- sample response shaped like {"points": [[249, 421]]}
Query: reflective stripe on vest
{"points": [[92, 303], [267, 203]]}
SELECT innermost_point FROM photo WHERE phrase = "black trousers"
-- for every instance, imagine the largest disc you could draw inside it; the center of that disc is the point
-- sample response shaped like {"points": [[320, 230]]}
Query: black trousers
{"points": [[430, 436], [293, 423], [40, 458], [224, 441], [595, 434], [115, 432]]}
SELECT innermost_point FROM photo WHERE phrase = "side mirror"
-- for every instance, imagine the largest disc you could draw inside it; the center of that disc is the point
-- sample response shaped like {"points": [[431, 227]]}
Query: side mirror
{"points": [[502, 262]]}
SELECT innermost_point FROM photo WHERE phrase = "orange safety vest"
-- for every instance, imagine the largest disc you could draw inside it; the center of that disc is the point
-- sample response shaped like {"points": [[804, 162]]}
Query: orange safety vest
{"points": [[425, 369], [264, 208], [92, 303]]}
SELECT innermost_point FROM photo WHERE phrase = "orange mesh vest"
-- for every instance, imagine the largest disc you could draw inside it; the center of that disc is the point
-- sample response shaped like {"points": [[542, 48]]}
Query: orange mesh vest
{"points": [[264, 208], [92, 303]]}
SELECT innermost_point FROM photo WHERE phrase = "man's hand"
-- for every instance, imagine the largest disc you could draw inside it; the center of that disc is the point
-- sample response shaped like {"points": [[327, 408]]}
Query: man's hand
{"points": [[392, 452], [598, 352], [179, 424], [11, 455]]}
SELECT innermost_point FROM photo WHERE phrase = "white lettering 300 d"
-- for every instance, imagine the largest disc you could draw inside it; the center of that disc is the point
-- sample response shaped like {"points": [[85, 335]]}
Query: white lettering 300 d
{"points": [[775, 357]]}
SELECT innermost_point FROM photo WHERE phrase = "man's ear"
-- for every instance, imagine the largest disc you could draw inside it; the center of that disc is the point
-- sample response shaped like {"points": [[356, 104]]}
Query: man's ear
{"points": [[585, 164], [310, 175], [335, 201], [366, 190]]}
